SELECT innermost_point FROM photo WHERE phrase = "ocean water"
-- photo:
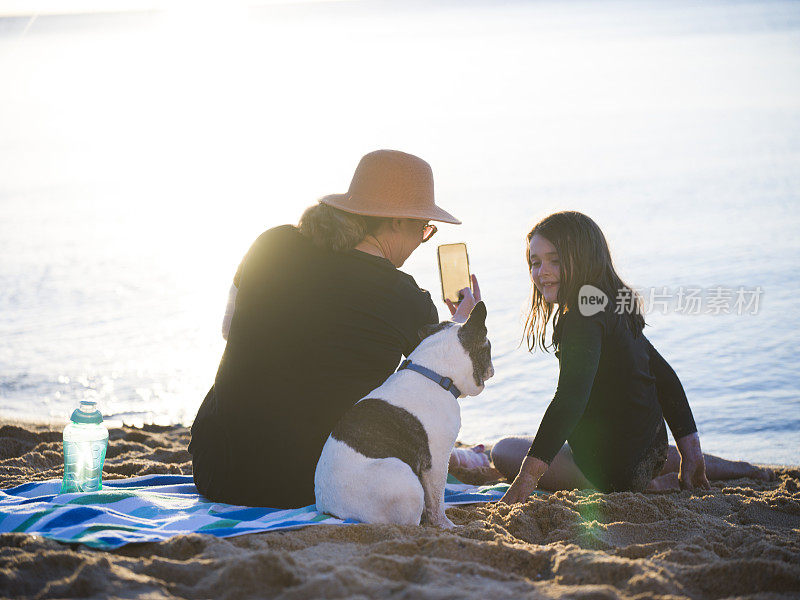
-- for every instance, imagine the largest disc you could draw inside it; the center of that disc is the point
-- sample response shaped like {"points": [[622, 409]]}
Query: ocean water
{"points": [[141, 154]]}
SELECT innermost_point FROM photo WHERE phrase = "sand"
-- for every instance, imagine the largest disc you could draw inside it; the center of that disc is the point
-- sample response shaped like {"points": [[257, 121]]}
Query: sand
{"points": [[740, 539]]}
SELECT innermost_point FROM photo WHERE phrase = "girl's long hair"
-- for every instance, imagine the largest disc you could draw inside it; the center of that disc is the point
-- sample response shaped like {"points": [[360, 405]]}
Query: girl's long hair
{"points": [[585, 259]]}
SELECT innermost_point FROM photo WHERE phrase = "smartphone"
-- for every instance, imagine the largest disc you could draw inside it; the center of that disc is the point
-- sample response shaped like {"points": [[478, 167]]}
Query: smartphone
{"points": [[453, 271]]}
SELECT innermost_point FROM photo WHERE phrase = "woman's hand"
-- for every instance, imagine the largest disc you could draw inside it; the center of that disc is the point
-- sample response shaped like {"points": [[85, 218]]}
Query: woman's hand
{"points": [[470, 297], [692, 473], [526, 481]]}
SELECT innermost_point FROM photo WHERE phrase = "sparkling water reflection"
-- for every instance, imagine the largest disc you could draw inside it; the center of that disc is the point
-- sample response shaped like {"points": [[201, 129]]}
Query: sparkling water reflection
{"points": [[141, 156]]}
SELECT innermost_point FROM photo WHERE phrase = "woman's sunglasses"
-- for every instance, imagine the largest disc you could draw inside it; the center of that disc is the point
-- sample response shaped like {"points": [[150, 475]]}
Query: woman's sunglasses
{"points": [[428, 231]]}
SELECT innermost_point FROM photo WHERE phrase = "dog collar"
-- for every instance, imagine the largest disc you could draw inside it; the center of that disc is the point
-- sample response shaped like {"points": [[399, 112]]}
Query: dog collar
{"points": [[444, 382]]}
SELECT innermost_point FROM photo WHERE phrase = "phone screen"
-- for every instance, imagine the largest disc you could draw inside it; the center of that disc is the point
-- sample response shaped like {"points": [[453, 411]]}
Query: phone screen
{"points": [[453, 270]]}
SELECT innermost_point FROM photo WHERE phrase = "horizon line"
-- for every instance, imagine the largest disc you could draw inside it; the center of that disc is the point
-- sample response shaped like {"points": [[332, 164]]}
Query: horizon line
{"points": [[54, 8]]}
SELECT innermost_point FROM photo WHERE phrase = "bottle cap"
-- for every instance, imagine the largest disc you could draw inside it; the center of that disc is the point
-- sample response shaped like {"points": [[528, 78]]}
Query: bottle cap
{"points": [[87, 413]]}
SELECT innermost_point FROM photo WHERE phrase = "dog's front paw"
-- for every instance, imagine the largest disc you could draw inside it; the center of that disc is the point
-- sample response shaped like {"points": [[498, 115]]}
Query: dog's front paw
{"points": [[443, 522]]}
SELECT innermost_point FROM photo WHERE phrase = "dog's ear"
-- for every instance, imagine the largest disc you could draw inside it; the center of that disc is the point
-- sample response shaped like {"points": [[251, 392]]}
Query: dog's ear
{"points": [[475, 327]]}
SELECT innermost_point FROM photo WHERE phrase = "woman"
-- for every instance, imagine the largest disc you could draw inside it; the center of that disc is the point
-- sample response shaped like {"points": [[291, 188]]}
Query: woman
{"points": [[614, 389], [322, 316]]}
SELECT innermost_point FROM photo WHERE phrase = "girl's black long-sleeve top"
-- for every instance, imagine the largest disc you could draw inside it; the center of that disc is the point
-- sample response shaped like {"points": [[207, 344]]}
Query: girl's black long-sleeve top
{"points": [[613, 391]]}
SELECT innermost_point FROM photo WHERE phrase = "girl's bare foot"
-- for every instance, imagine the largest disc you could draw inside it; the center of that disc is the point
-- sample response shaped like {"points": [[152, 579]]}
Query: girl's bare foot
{"points": [[763, 474]]}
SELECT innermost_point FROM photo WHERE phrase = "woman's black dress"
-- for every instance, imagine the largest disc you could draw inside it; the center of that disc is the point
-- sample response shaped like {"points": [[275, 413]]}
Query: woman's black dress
{"points": [[313, 331]]}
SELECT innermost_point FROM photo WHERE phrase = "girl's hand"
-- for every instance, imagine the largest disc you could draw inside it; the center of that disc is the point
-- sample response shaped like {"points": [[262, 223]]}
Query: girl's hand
{"points": [[526, 481], [520, 489], [692, 473], [470, 297]]}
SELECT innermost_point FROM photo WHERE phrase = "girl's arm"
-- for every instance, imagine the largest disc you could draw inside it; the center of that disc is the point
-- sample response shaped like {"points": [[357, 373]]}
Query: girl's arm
{"points": [[671, 396], [581, 341], [679, 417]]}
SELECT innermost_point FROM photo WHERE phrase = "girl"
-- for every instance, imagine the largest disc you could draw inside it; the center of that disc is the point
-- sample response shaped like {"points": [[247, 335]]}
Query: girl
{"points": [[614, 389]]}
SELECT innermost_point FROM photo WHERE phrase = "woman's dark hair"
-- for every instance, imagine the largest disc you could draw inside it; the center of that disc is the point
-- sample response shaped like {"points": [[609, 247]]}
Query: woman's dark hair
{"points": [[335, 229], [585, 259]]}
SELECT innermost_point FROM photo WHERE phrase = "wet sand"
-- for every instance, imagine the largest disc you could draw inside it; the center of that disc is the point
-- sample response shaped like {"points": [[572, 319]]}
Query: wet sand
{"points": [[739, 539]]}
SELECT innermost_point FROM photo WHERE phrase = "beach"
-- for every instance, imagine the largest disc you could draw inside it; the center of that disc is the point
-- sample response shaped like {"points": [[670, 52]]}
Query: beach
{"points": [[741, 538], [143, 151]]}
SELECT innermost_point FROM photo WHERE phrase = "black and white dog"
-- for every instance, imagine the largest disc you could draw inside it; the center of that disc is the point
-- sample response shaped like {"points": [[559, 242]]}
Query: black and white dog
{"points": [[386, 460]]}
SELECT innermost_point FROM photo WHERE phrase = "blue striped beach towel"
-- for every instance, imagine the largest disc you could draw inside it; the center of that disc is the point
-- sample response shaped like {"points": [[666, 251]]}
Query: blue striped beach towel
{"points": [[153, 508]]}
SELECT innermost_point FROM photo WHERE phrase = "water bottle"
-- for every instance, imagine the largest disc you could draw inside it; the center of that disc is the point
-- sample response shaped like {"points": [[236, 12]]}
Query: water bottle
{"points": [[85, 442]]}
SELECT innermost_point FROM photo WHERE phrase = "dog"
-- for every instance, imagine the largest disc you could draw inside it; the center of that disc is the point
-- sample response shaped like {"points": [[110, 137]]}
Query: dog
{"points": [[386, 459]]}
